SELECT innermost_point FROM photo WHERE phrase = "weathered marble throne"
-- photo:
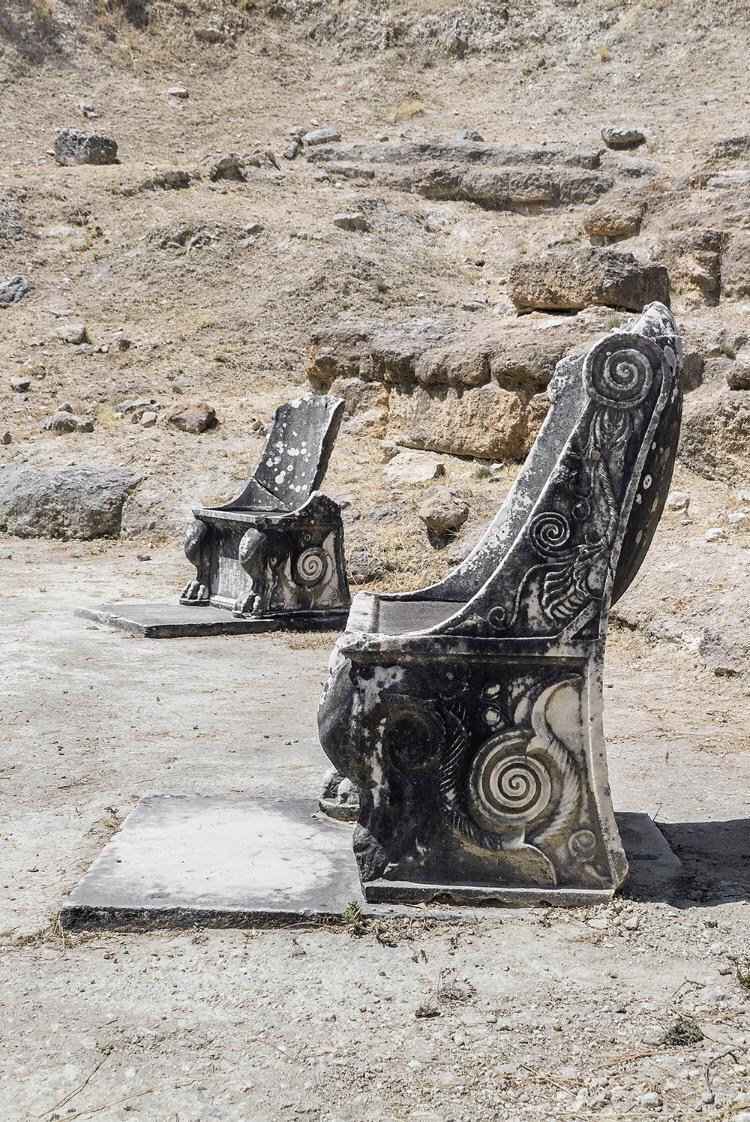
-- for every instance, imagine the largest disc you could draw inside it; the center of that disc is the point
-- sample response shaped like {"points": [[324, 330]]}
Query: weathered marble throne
{"points": [[278, 548], [469, 714]]}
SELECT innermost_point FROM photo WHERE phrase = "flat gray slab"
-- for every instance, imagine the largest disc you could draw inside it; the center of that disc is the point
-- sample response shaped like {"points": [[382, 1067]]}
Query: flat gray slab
{"points": [[183, 860], [171, 621]]}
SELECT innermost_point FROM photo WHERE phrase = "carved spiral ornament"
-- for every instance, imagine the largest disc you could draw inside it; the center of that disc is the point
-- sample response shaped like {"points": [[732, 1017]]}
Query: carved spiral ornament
{"points": [[549, 533], [619, 371], [311, 566], [507, 787]]}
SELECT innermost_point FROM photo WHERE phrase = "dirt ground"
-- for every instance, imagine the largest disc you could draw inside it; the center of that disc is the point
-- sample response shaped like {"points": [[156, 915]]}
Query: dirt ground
{"points": [[637, 1010], [536, 1014]]}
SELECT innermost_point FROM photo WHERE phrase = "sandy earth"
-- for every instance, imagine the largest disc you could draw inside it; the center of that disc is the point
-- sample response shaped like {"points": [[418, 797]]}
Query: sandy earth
{"points": [[541, 1014], [536, 1014]]}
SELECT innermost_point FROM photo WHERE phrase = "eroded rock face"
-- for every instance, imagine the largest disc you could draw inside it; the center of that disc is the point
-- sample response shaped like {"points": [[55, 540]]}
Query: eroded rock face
{"points": [[612, 219], [476, 392], [64, 502], [429, 151], [693, 260], [489, 422], [493, 176], [574, 279], [74, 146], [735, 266], [715, 439]]}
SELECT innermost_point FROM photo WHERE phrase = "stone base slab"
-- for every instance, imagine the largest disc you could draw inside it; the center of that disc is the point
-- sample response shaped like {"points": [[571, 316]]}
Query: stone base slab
{"points": [[172, 621], [191, 860]]}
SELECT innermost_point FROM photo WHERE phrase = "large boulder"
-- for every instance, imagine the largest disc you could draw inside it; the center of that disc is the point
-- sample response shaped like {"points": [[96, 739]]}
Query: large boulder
{"points": [[574, 279], [74, 146], [63, 502], [488, 422]]}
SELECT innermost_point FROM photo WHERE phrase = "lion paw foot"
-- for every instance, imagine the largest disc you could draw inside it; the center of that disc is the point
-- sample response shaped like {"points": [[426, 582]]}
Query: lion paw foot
{"points": [[194, 594]]}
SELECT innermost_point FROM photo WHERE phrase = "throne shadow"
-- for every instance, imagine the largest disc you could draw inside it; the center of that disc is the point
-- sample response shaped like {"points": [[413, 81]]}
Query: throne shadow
{"points": [[715, 859]]}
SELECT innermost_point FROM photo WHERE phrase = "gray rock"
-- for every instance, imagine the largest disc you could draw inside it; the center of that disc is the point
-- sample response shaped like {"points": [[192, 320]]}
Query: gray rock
{"points": [[180, 92], [574, 279], [195, 418], [73, 333], [87, 109], [292, 151], [11, 229], [412, 468], [210, 35], [619, 137], [148, 419], [729, 180], [457, 40], [137, 406], [408, 153], [738, 376], [443, 511], [20, 384], [372, 421], [224, 165], [351, 220], [651, 1099], [678, 501], [612, 219], [469, 134], [715, 534], [321, 136], [66, 421], [74, 146], [13, 289], [63, 502], [363, 566]]}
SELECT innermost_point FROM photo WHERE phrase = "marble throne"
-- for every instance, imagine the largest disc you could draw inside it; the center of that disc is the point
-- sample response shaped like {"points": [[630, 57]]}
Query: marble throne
{"points": [[469, 714], [277, 550]]}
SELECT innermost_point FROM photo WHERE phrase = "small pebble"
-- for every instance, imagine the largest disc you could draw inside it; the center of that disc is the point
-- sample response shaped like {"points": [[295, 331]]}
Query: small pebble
{"points": [[715, 534], [652, 1099]]}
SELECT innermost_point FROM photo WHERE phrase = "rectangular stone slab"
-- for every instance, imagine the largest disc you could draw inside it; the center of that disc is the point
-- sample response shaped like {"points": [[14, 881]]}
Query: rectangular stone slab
{"points": [[172, 621], [180, 860], [184, 860]]}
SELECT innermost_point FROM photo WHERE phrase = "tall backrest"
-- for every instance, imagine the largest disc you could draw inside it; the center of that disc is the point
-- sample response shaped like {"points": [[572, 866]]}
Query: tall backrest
{"points": [[577, 523], [295, 457]]}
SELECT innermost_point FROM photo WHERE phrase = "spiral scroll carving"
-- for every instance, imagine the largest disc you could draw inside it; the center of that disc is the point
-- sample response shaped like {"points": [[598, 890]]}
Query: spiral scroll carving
{"points": [[311, 567], [549, 533], [619, 372], [506, 786]]}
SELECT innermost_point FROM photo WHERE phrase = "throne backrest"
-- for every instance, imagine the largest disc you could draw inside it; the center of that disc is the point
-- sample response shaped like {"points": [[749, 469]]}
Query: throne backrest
{"points": [[295, 456], [576, 525]]}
